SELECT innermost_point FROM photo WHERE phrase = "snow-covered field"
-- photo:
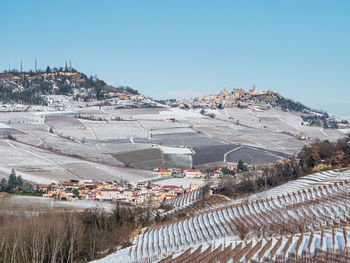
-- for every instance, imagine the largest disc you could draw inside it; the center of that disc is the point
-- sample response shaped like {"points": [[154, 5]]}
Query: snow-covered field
{"points": [[175, 150], [3, 125], [145, 128], [29, 205], [44, 166]]}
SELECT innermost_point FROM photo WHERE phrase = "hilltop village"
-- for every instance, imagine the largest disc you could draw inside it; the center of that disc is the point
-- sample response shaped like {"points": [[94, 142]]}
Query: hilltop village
{"points": [[226, 99]]}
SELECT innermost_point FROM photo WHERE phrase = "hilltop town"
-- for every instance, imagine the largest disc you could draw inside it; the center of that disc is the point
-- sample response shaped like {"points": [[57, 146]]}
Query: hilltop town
{"points": [[258, 101], [236, 98]]}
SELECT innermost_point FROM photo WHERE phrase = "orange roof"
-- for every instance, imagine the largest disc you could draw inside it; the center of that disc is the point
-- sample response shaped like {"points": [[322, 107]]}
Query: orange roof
{"points": [[192, 171]]}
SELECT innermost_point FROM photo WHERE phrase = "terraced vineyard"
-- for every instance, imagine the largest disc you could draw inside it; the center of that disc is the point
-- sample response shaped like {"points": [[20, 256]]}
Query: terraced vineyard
{"points": [[310, 213], [184, 200]]}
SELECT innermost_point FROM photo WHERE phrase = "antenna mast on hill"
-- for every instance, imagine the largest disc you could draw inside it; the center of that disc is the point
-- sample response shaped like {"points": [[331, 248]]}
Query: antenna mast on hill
{"points": [[21, 66], [35, 62]]}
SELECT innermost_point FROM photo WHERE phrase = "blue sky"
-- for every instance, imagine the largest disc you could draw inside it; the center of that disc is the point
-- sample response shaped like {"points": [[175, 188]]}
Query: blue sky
{"points": [[188, 48]]}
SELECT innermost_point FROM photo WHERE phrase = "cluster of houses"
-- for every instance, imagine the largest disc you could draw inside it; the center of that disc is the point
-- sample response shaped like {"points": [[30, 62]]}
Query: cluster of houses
{"points": [[136, 193], [236, 98]]}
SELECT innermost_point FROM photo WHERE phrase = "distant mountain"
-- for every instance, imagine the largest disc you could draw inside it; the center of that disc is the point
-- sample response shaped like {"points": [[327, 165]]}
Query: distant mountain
{"points": [[33, 87]]}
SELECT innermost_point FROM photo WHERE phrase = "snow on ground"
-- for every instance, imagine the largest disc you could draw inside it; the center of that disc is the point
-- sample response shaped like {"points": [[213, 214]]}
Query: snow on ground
{"points": [[120, 256], [346, 131], [305, 182], [3, 125], [175, 150], [43, 166], [181, 114], [203, 222], [31, 205], [44, 113], [5, 172]]}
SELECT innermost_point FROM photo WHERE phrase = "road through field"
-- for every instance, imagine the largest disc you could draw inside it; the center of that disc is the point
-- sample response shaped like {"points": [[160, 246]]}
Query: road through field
{"points": [[225, 155], [93, 135]]}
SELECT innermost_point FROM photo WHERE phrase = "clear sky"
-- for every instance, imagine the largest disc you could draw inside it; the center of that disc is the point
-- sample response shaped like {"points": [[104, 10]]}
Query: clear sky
{"points": [[178, 48]]}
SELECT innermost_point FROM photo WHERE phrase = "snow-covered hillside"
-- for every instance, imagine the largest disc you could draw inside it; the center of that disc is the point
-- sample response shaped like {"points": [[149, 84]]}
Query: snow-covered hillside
{"points": [[304, 215]]}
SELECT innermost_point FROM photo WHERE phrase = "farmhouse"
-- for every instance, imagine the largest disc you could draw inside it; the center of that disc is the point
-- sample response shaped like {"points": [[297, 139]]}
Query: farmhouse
{"points": [[163, 171], [192, 173]]}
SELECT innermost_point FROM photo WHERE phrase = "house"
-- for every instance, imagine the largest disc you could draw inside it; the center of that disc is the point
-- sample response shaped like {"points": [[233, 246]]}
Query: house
{"points": [[126, 195], [171, 189], [66, 196], [238, 92], [160, 196], [163, 171], [192, 173], [193, 187], [53, 193], [216, 174], [138, 199], [43, 188], [109, 194], [72, 184], [123, 96]]}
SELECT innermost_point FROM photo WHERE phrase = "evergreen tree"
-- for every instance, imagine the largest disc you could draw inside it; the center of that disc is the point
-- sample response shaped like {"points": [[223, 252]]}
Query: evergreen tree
{"points": [[240, 165], [19, 181], [3, 185], [12, 182]]}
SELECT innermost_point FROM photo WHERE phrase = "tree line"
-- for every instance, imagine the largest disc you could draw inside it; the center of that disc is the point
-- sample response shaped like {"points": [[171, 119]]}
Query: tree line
{"points": [[69, 237]]}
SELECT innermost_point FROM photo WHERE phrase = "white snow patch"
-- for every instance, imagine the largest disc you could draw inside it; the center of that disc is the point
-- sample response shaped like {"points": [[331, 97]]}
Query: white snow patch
{"points": [[175, 150], [3, 125]]}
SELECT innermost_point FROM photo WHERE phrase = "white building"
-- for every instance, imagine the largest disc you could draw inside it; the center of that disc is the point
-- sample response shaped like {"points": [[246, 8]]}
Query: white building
{"points": [[192, 173]]}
